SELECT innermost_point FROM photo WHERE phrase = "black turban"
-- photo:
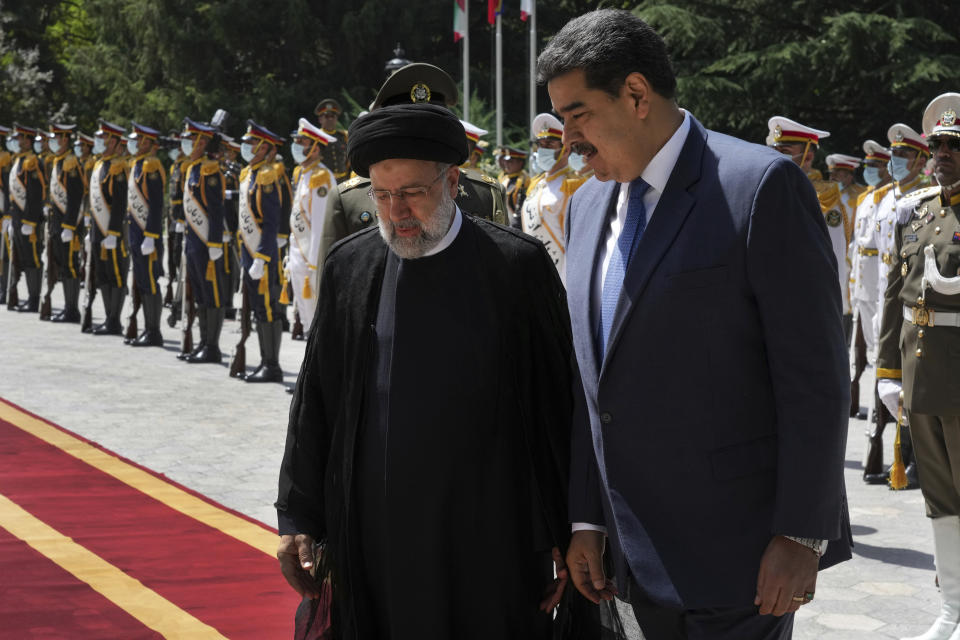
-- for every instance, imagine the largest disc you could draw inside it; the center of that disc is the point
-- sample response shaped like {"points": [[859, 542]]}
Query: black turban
{"points": [[411, 131]]}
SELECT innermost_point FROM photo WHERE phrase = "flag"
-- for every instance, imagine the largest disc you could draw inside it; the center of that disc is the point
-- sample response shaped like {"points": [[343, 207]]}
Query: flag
{"points": [[493, 10], [525, 9], [459, 20]]}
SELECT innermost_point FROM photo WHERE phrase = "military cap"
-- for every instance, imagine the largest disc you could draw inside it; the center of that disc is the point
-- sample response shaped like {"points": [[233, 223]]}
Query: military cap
{"points": [[417, 82], [109, 129], [514, 153], [316, 134], [22, 129], [194, 128], [942, 116], [901, 135], [141, 131], [473, 131], [546, 125], [414, 131], [57, 129], [785, 130], [327, 105], [259, 132], [4, 130], [875, 151], [841, 161], [230, 142]]}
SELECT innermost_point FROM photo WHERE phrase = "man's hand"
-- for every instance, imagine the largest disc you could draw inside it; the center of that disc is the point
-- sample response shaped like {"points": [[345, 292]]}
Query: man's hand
{"points": [[554, 591], [296, 560], [585, 564], [256, 269], [110, 242], [787, 570]]}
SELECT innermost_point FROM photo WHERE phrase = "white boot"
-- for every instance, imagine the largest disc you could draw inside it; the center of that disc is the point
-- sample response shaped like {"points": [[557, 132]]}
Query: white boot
{"points": [[946, 549]]}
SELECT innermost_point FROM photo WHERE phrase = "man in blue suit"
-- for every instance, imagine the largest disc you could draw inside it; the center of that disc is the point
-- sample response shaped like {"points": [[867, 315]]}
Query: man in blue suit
{"points": [[710, 427]]}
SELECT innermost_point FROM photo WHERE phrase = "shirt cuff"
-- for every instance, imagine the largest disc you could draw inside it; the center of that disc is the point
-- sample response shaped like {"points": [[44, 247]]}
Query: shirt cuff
{"points": [[586, 526]]}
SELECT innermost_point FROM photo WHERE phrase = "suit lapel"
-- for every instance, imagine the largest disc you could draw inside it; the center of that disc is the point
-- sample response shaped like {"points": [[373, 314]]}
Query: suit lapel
{"points": [[668, 217]]}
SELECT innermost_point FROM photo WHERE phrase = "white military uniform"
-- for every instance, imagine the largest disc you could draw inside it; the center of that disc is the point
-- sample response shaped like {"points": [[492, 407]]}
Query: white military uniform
{"points": [[864, 257], [313, 181]]}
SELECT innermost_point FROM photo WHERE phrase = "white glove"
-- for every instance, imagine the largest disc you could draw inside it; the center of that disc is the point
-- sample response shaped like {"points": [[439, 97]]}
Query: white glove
{"points": [[148, 246], [227, 237], [214, 253], [26, 229], [178, 228], [7, 226], [66, 235], [110, 242], [889, 392], [281, 242], [256, 269]]}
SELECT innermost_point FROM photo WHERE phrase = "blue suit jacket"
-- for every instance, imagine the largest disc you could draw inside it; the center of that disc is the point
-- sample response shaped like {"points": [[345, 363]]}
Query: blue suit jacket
{"points": [[718, 417]]}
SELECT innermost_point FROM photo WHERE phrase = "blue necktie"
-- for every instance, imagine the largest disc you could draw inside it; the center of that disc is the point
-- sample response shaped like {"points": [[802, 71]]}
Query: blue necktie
{"points": [[633, 226]]}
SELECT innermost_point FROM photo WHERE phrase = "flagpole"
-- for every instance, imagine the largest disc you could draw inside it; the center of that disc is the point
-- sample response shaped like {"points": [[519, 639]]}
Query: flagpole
{"points": [[466, 60], [499, 84], [533, 62]]}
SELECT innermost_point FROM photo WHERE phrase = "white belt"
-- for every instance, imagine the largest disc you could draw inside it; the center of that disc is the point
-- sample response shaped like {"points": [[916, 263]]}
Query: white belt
{"points": [[924, 317]]}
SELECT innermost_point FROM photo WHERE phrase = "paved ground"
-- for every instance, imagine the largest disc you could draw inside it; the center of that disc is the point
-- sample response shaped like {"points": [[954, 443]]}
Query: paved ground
{"points": [[224, 438]]}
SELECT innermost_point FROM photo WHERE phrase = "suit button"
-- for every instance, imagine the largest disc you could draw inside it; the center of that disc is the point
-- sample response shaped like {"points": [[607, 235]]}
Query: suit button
{"points": [[606, 418]]}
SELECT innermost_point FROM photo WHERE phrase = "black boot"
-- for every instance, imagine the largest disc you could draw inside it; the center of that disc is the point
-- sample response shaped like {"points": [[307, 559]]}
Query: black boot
{"points": [[201, 321], [269, 369], [152, 308], [112, 299], [211, 350], [32, 303], [71, 298]]}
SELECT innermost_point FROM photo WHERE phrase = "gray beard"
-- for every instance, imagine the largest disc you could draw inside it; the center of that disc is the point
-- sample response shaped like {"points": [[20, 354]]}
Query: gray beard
{"points": [[431, 232]]}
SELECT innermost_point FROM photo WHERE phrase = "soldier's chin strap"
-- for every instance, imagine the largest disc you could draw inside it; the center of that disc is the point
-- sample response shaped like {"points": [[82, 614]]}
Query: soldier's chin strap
{"points": [[803, 156]]}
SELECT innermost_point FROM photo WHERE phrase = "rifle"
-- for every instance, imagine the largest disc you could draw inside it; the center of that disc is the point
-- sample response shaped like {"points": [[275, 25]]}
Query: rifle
{"points": [[859, 364], [89, 290], [14, 274], [52, 275], [187, 310], [132, 324], [238, 365], [296, 333]]}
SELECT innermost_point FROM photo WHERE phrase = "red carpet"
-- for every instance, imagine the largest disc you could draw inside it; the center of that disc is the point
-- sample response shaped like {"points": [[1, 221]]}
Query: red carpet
{"points": [[143, 569]]}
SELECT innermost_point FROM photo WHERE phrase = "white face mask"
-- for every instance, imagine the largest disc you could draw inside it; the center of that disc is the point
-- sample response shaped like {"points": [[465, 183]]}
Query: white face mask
{"points": [[78, 150], [132, 146], [37, 147], [55, 147], [898, 168], [871, 175], [246, 152], [99, 146], [545, 159], [13, 145], [298, 153], [575, 161], [173, 154], [186, 145]]}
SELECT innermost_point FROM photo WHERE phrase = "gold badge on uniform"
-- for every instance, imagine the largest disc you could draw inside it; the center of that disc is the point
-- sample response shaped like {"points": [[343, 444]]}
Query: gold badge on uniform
{"points": [[212, 181], [420, 93], [903, 269], [365, 217], [777, 132], [322, 192], [899, 136], [268, 188], [834, 219], [948, 118]]}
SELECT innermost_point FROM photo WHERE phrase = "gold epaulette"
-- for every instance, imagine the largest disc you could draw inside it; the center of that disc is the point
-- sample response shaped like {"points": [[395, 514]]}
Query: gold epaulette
{"points": [[89, 163], [5, 159], [152, 164], [828, 193], [863, 195], [209, 167], [352, 183], [489, 180], [534, 181], [570, 185], [882, 191], [320, 178], [69, 163], [280, 168], [30, 162], [267, 175], [117, 166]]}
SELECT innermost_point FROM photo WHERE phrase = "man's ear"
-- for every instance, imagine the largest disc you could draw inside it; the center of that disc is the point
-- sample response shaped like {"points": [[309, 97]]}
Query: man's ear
{"points": [[638, 90]]}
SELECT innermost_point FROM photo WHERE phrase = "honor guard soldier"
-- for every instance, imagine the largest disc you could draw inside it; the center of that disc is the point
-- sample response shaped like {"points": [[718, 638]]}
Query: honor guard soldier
{"points": [[515, 182], [203, 210], [28, 189], [230, 150], [841, 169], [313, 183], [801, 142], [545, 208], [260, 209], [476, 147], [67, 187], [176, 224], [43, 152], [145, 190], [6, 159], [349, 208], [334, 154], [919, 357], [108, 207]]}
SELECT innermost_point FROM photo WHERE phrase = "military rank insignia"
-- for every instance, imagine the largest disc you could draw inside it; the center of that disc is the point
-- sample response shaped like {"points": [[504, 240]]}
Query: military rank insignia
{"points": [[956, 237], [212, 181], [365, 217], [322, 192], [834, 218], [903, 270], [420, 93]]}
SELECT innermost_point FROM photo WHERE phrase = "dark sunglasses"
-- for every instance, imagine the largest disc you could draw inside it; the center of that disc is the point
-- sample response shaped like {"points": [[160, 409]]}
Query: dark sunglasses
{"points": [[952, 144]]}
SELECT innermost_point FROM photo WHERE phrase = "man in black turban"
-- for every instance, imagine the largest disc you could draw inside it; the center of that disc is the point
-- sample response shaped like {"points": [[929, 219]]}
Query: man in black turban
{"points": [[428, 440]]}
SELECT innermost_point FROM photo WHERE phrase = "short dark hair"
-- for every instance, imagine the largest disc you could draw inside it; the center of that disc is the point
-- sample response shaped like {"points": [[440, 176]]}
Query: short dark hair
{"points": [[609, 45]]}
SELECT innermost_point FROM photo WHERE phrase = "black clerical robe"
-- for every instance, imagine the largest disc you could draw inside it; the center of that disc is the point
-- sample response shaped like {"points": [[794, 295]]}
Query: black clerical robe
{"points": [[428, 441]]}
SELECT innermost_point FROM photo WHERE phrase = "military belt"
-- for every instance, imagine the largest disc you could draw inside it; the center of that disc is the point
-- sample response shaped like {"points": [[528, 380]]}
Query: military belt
{"points": [[924, 317], [863, 251]]}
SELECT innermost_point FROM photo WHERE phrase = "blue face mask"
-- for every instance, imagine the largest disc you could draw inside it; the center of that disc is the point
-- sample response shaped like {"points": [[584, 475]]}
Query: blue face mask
{"points": [[13, 145], [186, 145], [37, 147], [132, 146], [173, 154], [55, 146], [297, 151], [575, 162], [871, 175], [99, 146], [246, 152], [78, 150], [545, 159], [898, 168]]}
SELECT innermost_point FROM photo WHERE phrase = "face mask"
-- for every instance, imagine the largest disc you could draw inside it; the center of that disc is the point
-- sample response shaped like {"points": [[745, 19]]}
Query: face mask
{"points": [[296, 150], [871, 175], [55, 147], [13, 145], [246, 151], [78, 150], [186, 146], [99, 146], [898, 168], [545, 159], [575, 161], [173, 154], [37, 147], [132, 146]]}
